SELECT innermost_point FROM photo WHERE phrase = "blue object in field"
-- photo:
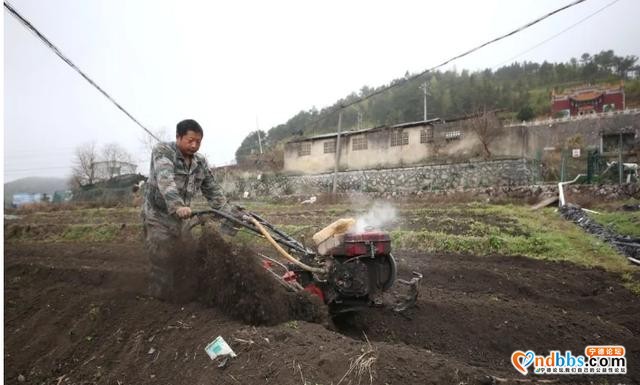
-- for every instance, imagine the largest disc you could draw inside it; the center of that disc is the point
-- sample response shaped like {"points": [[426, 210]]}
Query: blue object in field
{"points": [[62, 196], [22, 199]]}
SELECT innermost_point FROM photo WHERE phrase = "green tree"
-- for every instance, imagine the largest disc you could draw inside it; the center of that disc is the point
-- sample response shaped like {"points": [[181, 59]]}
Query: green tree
{"points": [[624, 64], [251, 145], [525, 114]]}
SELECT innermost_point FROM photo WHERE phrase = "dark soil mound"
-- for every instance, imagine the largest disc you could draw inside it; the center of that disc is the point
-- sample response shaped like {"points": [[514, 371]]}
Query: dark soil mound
{"points": [[233, 280]]}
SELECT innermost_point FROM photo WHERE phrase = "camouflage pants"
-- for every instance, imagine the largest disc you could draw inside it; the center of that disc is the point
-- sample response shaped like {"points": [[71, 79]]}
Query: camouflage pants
{"points": [[164, 240]]}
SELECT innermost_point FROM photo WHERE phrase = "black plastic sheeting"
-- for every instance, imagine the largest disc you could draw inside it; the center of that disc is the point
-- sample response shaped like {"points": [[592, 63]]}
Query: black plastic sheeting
{"points": [[627, 245]]}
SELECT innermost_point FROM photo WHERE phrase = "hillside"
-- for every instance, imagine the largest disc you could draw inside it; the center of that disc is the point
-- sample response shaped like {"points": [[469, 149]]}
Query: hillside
{"points": [[33, 185], [521, 90]]}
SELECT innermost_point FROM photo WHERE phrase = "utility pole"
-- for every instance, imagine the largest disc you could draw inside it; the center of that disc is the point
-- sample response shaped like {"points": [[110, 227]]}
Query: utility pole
{"points": [[258, 131], [359, 120], [335, 169], [425, 88], [620, 165]]}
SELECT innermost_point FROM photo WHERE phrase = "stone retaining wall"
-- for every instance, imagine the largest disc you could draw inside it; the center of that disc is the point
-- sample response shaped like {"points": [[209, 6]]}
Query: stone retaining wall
{"points": [[511, 172], [506, 172]]}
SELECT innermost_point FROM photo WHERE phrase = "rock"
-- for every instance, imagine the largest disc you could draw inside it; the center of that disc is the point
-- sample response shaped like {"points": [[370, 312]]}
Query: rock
{"points": [[21, 378]]}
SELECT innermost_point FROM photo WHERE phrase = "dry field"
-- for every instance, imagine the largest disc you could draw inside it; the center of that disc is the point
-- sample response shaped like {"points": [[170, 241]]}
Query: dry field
{"points": [[496, 279]]}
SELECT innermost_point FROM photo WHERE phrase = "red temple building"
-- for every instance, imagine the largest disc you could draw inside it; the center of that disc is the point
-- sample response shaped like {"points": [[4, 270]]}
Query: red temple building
{"points": [[588, 100]]}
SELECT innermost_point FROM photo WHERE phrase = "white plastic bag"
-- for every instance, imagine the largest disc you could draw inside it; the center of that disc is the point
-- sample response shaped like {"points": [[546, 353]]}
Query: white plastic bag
{"points": [[219, 347]]}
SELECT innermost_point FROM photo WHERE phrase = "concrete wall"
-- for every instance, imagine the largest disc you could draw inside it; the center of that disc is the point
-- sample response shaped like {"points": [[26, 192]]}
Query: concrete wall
{"points": [[316, 162], [584, 133], [380, 154], [525, 141]]}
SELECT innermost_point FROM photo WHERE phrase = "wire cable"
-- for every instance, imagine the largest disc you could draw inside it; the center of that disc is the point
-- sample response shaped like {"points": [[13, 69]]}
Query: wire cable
{"points": [[55, 49], [468, 52], [341, 106], [557, 34], [36, 168]]}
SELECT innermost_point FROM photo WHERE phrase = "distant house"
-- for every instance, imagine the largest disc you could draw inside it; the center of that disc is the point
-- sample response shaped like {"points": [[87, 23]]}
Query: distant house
{"points": [[362, 149], [399, 145], [588, 100], [633, 73], [110, 169]]}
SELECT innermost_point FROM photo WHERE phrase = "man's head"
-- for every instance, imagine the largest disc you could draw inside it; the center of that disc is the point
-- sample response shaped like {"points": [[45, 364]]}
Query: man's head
{"points": [[188, 137]]}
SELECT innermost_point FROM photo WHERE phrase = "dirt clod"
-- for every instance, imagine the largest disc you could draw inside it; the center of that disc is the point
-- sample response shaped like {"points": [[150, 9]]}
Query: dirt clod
{"points": [[233, 280]]}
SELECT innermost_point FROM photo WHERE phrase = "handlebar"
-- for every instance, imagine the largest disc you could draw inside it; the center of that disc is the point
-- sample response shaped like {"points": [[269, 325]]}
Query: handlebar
{"points": [[243, 217]]}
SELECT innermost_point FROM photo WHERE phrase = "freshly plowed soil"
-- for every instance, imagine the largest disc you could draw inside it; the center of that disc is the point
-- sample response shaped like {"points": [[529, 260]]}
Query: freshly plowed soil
{"points": [[78, 313]]}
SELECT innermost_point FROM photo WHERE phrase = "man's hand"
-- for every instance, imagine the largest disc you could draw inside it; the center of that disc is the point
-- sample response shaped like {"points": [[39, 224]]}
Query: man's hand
{"points": [[183, 212]]}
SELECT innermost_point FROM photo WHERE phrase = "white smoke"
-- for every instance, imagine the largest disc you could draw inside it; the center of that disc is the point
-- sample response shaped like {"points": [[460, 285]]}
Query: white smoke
{"points": [[379, 215]]}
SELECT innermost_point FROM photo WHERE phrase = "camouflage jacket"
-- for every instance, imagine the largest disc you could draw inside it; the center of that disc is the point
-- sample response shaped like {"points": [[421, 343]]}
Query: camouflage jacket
{"points": [[172, 185]]}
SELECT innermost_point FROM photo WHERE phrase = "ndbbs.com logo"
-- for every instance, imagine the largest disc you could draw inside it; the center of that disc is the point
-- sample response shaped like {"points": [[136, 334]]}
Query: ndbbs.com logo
{"points": [[596, 360]]}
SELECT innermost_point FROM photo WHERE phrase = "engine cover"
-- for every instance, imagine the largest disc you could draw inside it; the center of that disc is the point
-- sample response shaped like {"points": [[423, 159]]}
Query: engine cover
{"points": [[371, 243]]}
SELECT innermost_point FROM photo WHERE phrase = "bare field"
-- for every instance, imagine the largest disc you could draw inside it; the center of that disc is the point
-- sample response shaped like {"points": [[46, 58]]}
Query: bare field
{"points": [[496, 279]]}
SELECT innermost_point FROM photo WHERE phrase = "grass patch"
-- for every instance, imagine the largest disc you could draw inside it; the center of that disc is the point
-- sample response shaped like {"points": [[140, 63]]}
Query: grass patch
{"points": [[89, 233], [544, 236], [621, 222], [630, 283]]}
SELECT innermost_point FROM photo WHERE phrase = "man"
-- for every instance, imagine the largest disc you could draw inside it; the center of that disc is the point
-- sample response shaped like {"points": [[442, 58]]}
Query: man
{"points": [[177, 172]]}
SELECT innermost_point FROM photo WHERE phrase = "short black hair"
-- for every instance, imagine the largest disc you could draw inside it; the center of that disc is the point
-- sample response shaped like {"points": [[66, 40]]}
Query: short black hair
{"points": [[188, 125]]}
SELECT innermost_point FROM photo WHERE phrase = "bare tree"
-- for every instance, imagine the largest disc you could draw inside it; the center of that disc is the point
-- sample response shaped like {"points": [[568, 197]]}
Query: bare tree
{"points": [[91, 165], [149, 142], [115, 156], [487, 128], [83, 171]]}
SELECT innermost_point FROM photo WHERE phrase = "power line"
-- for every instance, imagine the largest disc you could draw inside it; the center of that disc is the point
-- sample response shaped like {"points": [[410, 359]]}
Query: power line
{"points": [[55, 49], [557, 34], [37, 168], [30, 151], [20, 154], [472, 50], [468, 52]]}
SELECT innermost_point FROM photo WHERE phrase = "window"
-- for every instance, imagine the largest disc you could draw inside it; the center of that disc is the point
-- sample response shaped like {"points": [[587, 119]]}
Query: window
{"points": [[359, 143], [330, 146], [611, 142], [399, 138], [426, 135], [304, 149], [452, 135]]}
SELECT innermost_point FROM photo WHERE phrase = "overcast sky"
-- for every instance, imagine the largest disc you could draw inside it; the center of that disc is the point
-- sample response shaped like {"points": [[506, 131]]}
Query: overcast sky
{"points": [[230, 64]]}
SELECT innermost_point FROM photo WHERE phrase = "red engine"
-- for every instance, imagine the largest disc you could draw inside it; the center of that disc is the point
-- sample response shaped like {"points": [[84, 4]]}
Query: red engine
{"points": [[372, 243], [360, 269]]}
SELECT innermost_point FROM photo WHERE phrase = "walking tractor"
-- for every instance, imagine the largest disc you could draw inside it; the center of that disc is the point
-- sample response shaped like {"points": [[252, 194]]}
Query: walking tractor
{"points": [[349, 270]]}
